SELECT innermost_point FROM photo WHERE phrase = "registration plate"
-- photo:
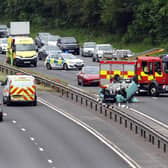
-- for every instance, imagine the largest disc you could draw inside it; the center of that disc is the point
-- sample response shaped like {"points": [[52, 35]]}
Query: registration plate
{"points": [[71, 50], [27, 62]]}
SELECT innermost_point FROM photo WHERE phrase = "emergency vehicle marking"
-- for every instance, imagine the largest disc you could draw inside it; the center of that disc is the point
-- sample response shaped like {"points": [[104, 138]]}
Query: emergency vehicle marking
{"points": [[26, 93]]}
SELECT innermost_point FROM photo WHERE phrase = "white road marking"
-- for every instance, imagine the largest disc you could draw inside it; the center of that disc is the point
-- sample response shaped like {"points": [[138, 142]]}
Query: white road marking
{"points": [[32, 139], [41, 149], [50, 161], [14, 122], [158, 122], [5, 114], [23, 129], [155, 98], [95, 133]]}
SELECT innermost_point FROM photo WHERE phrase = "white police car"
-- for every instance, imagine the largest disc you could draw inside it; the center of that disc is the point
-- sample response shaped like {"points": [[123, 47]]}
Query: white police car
{"points": [[63, 61]]}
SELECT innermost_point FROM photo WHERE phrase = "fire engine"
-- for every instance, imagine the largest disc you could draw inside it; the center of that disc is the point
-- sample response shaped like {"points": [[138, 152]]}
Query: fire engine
{"points": [[150, 73]]}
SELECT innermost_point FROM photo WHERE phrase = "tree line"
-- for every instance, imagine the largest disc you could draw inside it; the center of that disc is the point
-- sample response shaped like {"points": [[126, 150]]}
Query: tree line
{"points": [[134, 20]]}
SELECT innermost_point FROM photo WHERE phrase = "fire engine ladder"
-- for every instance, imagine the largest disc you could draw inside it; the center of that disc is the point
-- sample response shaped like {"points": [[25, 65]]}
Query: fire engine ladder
{"points": [[146, 53]]}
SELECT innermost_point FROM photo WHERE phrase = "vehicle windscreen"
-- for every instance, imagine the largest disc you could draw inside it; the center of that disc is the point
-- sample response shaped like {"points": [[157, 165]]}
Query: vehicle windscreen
{"points": [[22, 83], [25, 47], [52, 38], [4, 41], [105, 48], [92, 70], [52, 48], [68, 56], [89, 45], [68, 40], [165, 67]]}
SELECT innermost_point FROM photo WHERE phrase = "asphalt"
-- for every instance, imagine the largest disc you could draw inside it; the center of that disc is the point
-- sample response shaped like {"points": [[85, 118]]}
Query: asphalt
{"points": [[39, 137]]}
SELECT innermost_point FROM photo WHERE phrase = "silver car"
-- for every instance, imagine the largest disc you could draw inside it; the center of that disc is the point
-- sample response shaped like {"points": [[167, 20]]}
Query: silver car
{"points": [[88, 49]]}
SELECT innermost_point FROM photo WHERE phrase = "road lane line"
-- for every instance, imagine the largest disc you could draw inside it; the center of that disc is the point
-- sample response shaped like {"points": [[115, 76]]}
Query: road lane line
{"points": [[95, 133], [158, 122], [32, 139], [50, 161], [41, 149], [23, 129], [13, 121]]}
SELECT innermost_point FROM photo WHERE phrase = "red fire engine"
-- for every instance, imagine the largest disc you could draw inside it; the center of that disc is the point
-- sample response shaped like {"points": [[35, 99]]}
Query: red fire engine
{"points": [[151, 73]]}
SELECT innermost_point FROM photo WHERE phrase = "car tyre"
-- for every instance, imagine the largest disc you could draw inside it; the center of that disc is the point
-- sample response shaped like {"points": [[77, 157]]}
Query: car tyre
{"points": [[82, 83], [93, 59], [65, 67], [48, 66], [4, 102], [78, 81], [1, 118]]}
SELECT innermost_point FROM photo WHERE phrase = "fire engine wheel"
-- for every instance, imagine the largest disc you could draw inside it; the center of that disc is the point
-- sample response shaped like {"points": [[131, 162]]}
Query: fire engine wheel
{"points": [[34, 103], [48, 66], [65, 67], [153, 90]]}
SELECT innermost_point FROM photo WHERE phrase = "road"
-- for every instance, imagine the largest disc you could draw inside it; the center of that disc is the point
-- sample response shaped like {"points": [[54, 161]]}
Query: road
{"points": [[41, 137], [155, 107]]}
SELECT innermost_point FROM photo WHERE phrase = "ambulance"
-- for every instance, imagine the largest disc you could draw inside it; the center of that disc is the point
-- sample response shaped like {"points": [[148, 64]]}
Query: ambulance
{"points": [[19, 88], [21, 51], [21, 48]]}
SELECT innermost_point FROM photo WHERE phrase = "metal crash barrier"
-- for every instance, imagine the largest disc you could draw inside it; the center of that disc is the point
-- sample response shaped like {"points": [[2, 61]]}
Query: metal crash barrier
{"points": [[142, 126]]}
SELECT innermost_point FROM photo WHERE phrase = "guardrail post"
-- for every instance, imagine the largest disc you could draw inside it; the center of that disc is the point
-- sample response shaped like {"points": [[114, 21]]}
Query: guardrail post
{"points": [[86, 103], [71, 96], [62, 92], [95, 107], [91, 105], [76, 98], [100, 109], [164, 148], [110, 115], [120, 120]]}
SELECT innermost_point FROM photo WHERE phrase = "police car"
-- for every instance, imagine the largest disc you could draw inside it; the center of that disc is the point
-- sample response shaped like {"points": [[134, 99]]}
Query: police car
{"points": [[63, 61]]}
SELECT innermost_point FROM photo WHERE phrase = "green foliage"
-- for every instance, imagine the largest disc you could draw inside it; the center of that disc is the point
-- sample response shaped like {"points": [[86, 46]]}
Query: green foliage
{"points": [[131, 20]]}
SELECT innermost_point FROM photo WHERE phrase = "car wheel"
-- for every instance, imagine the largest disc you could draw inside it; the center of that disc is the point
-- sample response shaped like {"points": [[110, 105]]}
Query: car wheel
{"points": [[8, 103], [78, 81], [82, 83], [153, 90], [65, 67], [48, 66], [1, 50], [4, 102], [93, 59], [35, 64], [97, 58], [1, 118]]}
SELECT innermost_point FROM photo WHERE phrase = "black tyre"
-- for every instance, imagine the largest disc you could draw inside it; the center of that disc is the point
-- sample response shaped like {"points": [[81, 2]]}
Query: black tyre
{"points": [[153, 90], [4, 102], [78, 81], [35, 64], [34, 103], [97, 58], [40, 56], [65, 67], [1, 118], [93, 59], [48, 66], [82, 83]]}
